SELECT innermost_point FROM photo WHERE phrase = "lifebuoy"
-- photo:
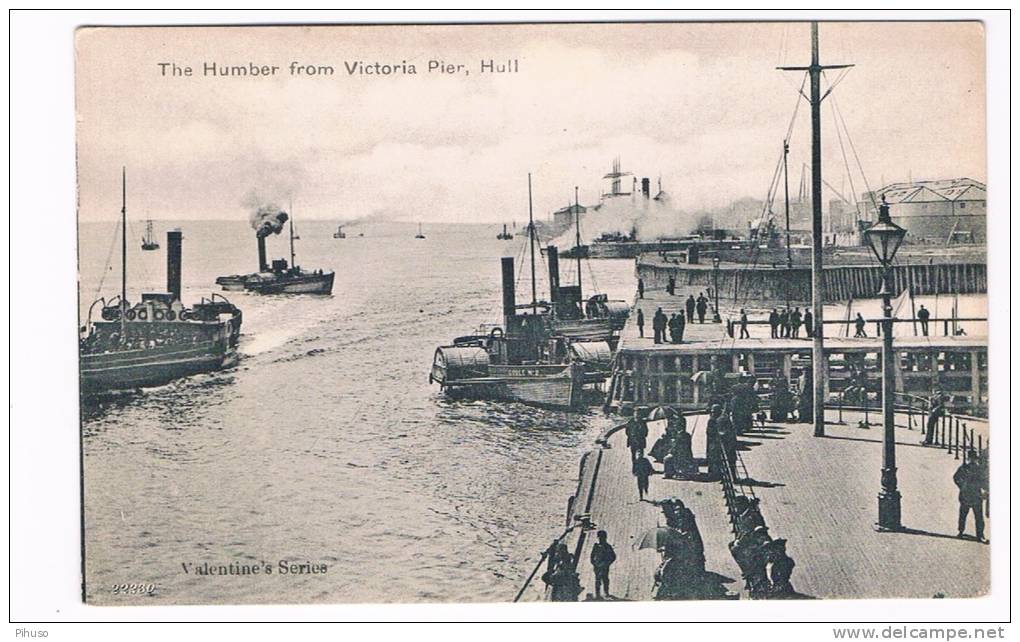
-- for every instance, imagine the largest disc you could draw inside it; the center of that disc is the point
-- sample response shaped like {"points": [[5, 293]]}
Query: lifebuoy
{"points": [[171, 315], [185, 315], [494, 331], [157, 315], [130, 315], [143, 315]]}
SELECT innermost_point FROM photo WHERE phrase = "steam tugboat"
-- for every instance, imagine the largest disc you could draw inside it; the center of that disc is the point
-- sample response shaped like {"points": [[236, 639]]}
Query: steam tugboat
{"points": [[544, 353], [505, 235], [158, 339], [339, 234], [419, 235], [279, 277]]}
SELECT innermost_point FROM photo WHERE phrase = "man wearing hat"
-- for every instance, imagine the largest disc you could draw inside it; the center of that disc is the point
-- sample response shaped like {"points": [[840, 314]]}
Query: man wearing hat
{"points": [[602, 557], [973, 485]]}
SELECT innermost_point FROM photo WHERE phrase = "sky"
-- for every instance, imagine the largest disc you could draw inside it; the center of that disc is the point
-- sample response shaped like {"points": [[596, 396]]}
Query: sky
{"points": [[700, 105]]}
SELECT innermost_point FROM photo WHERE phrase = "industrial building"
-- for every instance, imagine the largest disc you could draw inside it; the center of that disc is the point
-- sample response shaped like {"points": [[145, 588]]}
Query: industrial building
{"points": [[943, 211]]}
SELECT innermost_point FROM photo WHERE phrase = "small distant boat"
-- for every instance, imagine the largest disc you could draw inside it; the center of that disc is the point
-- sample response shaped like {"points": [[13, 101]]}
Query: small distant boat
{"points": [[419, 235], [339, 234], [297, 237], [504, 235], [149, 241]]}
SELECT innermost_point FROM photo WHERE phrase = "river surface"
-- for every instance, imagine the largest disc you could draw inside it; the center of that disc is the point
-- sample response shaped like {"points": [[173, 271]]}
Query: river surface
{"points": [[327, 445]]}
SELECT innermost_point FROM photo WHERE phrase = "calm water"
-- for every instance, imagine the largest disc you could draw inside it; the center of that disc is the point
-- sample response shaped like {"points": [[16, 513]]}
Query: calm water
{"points": [[327, 444]]}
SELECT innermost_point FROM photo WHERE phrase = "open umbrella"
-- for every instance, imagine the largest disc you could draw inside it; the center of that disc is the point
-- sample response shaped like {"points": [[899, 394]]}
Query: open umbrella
{"points": [[661, 412], [658, 538]]}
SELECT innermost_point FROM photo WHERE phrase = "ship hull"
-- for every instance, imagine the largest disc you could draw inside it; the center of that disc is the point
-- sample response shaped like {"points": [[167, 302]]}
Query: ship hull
{"points": [[143, 368], [305, 284], [560, 390]]}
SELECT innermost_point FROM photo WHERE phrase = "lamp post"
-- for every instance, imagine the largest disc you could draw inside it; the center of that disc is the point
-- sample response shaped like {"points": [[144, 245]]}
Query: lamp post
{"points": [[884, 237], [715, 285]]}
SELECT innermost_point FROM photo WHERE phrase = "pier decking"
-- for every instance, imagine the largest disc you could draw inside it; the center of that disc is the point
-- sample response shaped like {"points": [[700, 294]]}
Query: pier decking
{"points": [[818, 493]]}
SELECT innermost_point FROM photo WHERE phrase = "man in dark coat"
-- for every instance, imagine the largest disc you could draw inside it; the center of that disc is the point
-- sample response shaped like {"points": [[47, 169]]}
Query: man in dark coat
{"points": [[795, 323], [809, 323], [859, 327], [641, 323], [673, 336], [774, 324], [701, 306], [690, 304], [744, 334], [938, 410], [641, 288], [659, 325], [923, 315], [973, 485], [671, 286], [784, 322], [642, 470], [602, 557]]}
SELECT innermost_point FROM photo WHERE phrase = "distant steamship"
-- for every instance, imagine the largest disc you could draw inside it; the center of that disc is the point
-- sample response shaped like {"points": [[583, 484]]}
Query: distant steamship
{"points": [[158, 339], [278, 277]]}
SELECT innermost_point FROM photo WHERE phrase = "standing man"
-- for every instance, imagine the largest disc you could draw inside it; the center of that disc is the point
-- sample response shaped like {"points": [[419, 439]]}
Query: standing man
{"points": [[713, 442], [809, 323], [973, 486], [795, 323], [659, 325], [935, 414], [702, 307], [744, 334], [641, 323], [671, 285], [673, 337], [690, 305], [681, 324], [640, 288], [784, 322], [923, 315], [642, 470], [774, 324], [602, 557], [859, 326]]}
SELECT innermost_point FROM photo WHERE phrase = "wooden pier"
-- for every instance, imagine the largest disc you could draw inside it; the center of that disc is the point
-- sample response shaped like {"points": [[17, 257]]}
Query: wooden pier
{"points": [[818, 493]]}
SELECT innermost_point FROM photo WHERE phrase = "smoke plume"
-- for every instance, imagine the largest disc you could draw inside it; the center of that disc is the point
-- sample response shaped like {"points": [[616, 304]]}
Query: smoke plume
{"points": [[649, 219], [268, 219]]}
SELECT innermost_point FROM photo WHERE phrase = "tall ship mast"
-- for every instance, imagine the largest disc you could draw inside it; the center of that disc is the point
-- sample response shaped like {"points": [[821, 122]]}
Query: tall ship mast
{"points": [[545, 352], [157, 339], [149, 241]]}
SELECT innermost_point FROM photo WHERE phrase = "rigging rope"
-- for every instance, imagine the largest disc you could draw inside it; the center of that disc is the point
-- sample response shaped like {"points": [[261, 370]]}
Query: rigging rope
{"points": [[109, 259], [853, 149]]}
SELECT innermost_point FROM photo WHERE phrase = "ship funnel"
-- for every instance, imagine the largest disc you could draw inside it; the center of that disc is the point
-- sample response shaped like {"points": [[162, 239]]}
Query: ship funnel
{"points": [[554, 272], [263, 266], [509, 296], [173, 264], [646, 187]]}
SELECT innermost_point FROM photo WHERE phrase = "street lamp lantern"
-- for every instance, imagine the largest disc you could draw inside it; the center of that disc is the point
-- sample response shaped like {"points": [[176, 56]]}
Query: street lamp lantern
{"points": [[884, 238], [716, 318]]}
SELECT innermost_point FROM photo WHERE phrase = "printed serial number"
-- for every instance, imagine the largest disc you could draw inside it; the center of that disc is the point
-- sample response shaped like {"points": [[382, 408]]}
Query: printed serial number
{"points": [[133, 589]]}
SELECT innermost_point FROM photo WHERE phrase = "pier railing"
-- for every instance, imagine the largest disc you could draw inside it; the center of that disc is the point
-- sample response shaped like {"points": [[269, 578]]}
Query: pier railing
{"points": [[948, 324]]}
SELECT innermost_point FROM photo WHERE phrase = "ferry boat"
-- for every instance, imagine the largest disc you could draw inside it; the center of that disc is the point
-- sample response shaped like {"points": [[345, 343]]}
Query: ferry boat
{"points": [[280, 277], [544, 353], [149, 241], [156, 340], [505, 235]]}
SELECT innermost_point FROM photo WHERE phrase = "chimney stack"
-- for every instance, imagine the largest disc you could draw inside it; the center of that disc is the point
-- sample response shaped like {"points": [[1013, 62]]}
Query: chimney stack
{"points": [[263, 266], [646, 187], [509, 296], [173, 264], [553, 255]]}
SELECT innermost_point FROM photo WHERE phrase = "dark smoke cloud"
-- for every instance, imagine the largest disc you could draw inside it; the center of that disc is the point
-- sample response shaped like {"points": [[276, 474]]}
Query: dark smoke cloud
{"points": [[268, 219]]}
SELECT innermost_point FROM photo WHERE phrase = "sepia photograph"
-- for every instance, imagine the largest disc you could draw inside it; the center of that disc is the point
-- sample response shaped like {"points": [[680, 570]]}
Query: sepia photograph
{"points": [[614, 311]]}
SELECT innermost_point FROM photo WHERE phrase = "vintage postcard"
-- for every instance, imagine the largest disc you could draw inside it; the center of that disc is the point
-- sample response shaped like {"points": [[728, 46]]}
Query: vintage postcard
{"points": [[533, 312]]}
